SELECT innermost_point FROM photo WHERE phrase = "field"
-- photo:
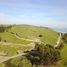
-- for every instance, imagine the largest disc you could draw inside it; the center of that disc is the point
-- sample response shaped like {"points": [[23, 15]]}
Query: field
{"points": [[10, 44], [33, 32]]}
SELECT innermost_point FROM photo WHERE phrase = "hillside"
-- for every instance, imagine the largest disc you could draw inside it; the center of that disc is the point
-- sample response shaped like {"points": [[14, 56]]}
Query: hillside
{"points": [[30, 32], [20, 37]]}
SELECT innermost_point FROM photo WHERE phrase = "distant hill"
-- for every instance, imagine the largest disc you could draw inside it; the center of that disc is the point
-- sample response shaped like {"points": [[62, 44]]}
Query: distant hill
{"points": [[31, 32], [64, 30]]}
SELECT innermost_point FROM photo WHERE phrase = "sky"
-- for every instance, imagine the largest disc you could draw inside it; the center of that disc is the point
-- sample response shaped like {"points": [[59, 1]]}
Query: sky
{"points": [[51, 13]]}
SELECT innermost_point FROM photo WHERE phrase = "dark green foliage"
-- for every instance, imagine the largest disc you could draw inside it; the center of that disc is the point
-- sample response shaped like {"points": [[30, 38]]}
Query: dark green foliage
{"points": [[5, 41], [8, 27], [34, 57], [4, 28], [49, 55], [43, 55], [65, 37], [40, 35]]}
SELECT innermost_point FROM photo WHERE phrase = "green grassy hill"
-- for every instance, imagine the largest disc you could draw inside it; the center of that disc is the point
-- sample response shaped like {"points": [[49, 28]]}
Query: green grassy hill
{"points": [[49, 36], [30, 32]]}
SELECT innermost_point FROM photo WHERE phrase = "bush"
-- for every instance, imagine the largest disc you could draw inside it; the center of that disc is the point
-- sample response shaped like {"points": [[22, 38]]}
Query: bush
{"points": [[64, 38], [49, 55], [40, 35], [46, 55], [2, 29], [5, 41]]}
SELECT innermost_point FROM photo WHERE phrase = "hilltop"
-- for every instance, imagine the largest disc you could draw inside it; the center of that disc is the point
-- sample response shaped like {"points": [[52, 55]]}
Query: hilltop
{"points": [[30, 32]]}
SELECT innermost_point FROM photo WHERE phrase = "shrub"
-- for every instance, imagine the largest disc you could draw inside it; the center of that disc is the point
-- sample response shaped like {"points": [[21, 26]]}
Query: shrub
{"points": [[44, 55], [64, 38], [40, 35]]}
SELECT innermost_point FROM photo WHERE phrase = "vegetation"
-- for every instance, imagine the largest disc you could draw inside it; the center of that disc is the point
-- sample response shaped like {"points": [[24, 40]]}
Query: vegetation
{"points": [[65, 38], [46, 35], [40, 35], [11, 38], [44, 53], [18, 62], [4, 28], [64, 56], [12, 49]]}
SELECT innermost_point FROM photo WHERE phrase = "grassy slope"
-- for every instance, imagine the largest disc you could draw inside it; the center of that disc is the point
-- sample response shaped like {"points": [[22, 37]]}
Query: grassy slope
{"points": [[11, 38], [25, 31], [64, 55], [49, 36], [12, 50]]}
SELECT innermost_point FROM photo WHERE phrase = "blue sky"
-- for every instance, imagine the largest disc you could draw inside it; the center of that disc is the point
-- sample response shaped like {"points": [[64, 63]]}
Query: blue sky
{"points": [[52, 13]]}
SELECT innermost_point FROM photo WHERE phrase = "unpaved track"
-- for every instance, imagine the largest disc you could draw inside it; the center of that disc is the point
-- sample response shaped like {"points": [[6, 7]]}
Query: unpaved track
{"points": [[18, 37], [5, 58], [59, 40], [35, 40], [14, 44]]}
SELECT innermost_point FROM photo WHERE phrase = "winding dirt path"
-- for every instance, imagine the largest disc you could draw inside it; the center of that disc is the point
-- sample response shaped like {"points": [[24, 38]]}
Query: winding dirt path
{"points": [[34, 40], [58, 41], [5, 58]]}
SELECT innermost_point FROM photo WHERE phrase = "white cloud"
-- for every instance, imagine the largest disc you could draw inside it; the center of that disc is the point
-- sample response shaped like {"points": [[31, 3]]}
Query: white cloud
{"points": [[3, 14], [24, 19]]}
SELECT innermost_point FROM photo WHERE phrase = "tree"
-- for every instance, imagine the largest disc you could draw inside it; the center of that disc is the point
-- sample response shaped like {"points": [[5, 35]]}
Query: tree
{"points": [[5, 28], [34, 57], [44, 54], [40, 35], [9, 27], [49, 55], [64, 38], [2, 28]]}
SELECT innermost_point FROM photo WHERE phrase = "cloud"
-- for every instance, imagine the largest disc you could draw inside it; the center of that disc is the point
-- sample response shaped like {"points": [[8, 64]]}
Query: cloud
{"points": [[33, 20], [3, 14]]}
